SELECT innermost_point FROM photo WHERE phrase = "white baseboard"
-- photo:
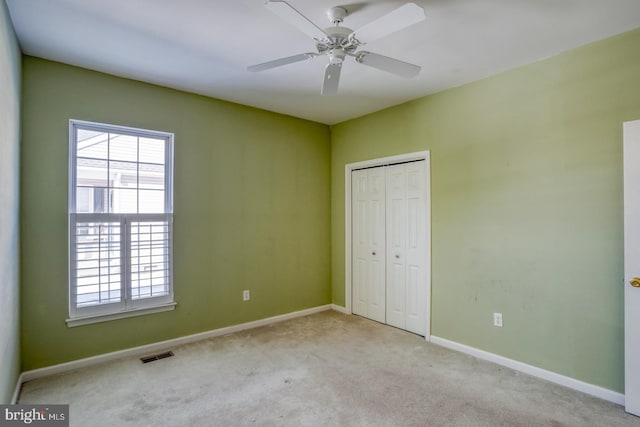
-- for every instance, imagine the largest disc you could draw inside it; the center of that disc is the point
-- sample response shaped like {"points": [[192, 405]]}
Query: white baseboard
{"points": [[339, 309], [591, 389], [159, 346]]}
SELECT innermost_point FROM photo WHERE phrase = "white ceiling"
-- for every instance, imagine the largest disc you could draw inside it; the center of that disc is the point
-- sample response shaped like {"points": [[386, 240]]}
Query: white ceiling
{"points": [[204, 46]]}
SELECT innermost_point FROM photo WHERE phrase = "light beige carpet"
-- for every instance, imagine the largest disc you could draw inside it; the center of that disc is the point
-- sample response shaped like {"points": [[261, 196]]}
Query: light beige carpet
{"points": [[327, 369]]}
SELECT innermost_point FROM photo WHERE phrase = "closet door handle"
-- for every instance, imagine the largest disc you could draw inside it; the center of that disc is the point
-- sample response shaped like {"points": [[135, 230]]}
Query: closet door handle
{"points": [[373, 253], [397, 256]]}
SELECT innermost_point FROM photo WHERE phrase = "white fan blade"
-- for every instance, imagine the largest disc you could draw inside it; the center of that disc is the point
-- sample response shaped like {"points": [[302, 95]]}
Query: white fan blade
{"points": [[398, 19], [390, 65], [282, 61], [285, 11], [331, 79]]}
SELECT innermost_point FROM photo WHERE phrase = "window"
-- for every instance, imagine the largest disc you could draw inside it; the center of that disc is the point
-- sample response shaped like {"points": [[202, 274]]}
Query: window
{"points": [[120, 222]]}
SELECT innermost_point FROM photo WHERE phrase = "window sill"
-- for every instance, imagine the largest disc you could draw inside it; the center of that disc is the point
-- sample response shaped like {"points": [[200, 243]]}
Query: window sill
{"points": [[87, 320]]}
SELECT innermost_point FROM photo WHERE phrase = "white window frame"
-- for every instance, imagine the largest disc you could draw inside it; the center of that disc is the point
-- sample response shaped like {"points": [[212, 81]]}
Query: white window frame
{"points": [[127, 306]]}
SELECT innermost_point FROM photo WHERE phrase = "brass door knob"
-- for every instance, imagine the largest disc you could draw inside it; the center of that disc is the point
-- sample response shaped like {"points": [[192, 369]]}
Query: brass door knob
{"points": [[635, 282]]}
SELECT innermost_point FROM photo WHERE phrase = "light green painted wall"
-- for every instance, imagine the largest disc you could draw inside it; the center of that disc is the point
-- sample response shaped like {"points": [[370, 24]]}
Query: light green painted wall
{"points": [[10, 62], [252, 210], [526, 175]]}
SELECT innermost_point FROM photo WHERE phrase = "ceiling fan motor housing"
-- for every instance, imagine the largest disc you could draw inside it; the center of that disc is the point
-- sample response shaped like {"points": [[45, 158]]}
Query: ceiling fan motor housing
{"points": [[338, 33], [337, 42]]}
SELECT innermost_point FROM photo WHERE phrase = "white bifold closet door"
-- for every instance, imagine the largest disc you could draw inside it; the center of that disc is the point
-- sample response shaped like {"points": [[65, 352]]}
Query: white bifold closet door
{"points": [[368, 228], [389, 245]]}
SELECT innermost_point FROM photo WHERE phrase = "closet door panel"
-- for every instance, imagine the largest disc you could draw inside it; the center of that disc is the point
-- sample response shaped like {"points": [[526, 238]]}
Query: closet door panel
{"points": [[368, 238], [396, 243], [416, 249], [359, 238], [377, 242]]}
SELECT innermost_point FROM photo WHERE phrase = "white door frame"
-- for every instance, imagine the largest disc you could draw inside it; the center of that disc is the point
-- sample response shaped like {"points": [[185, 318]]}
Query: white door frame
{"points": [[420, 155], [631, 152]]}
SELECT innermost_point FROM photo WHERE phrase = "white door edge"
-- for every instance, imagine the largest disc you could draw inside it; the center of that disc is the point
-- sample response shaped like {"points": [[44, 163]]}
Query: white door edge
{"points": [[419, 155], [631, 172]]}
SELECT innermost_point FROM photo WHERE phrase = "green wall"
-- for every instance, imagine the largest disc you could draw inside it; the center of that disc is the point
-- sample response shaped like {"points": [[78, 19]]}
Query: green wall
{"points": [[526, 185], [251, 203], [10, 62]]}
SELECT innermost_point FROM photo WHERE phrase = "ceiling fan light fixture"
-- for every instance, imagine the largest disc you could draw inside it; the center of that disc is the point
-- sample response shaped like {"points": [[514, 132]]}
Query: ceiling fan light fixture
{"points": [[336, 56]]}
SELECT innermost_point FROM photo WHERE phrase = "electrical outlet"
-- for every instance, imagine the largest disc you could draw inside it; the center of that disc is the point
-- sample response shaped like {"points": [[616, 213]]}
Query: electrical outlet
{"points": [[497, 319], [246, 296]]}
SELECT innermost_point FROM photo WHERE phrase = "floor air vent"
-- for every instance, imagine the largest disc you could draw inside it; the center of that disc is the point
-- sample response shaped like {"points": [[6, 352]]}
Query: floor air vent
{"points": [[155, 357]]}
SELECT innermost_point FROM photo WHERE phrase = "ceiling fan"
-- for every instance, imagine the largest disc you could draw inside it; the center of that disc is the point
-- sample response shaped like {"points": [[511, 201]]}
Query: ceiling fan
{"points": [[339, 42]]}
